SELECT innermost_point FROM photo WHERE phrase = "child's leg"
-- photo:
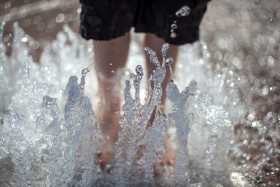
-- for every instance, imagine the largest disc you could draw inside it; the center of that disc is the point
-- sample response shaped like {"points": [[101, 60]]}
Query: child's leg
{"points": [[155, 43], [109, 57]]}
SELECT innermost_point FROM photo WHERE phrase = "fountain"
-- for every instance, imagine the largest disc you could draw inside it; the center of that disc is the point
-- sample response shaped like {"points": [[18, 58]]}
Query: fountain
{"points": [[57, 134], [49, 134]]}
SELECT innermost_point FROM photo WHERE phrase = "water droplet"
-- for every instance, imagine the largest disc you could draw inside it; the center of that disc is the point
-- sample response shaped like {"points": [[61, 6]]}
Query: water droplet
{"points": [[184, 11], [113, 71], [164, 49], [24, 39], [270, 61], [2, 25], [173, 35], [251, 117], [139, 70], [90, 49], [174, 26], [110, 64], [169, 61], [35, 45], [79, 10], [152, 56], [126, 72], [85, 71], [150, 52], [59, 18], [259, 180]]}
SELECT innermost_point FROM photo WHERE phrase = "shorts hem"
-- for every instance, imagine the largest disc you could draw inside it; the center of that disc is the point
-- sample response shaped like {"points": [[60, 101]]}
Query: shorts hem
{"points": [[104, 35], [176, 41]]}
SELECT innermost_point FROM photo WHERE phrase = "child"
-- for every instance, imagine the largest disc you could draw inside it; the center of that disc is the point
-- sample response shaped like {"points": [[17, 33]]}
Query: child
{"points": [[108, 23]]}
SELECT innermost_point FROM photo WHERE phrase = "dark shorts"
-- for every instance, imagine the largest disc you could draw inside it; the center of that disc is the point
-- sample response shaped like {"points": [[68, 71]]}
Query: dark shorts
{"points": [[108, 19]]}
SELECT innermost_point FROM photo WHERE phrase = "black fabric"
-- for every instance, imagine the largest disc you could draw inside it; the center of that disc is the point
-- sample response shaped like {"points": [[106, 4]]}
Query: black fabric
{"points": [[108, 19]]}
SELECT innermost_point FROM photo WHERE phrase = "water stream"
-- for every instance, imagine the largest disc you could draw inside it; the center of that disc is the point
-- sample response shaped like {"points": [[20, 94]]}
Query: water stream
{"points": [[49, 132]]}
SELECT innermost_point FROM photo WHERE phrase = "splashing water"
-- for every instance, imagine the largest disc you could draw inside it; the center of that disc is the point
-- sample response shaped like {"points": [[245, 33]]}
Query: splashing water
{"points": [[183, 11], [49, 134], [134, 133]]}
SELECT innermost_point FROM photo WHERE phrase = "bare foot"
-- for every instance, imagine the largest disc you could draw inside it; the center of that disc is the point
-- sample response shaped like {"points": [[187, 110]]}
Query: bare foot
{"points": [[108, 118], [168, 158]]}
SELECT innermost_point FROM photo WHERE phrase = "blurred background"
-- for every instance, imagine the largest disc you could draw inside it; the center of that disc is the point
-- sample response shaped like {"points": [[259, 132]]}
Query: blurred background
{"points": [[40, 19], [243, 35]]}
